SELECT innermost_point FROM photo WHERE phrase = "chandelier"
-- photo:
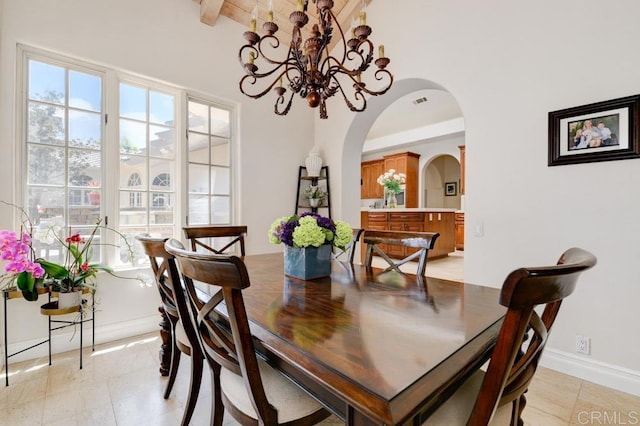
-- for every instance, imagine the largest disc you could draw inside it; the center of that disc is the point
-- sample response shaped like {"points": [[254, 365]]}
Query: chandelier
{"points": [[309, 69]]}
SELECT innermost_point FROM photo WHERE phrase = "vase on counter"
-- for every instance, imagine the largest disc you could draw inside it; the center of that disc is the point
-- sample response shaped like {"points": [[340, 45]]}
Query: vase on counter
{"points": [[392, 202], [313, 163]]}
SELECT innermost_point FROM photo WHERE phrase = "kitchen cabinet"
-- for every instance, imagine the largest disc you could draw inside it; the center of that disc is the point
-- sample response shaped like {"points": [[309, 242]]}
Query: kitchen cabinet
{"points": [[369, 173], [407, 163], [412, 222], [442, 222], [459, 231], [404, 162]]}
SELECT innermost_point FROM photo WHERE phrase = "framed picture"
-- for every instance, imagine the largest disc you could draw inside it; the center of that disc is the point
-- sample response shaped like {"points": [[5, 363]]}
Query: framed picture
{"points": [[450, 188], [602, 131]]}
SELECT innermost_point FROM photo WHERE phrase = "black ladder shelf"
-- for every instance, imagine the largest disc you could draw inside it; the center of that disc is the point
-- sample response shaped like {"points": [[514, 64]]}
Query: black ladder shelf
{"points": [[322, 181]]}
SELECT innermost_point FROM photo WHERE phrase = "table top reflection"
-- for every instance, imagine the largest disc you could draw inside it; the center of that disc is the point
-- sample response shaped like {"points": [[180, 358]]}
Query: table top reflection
{"points": [[373, 346]]}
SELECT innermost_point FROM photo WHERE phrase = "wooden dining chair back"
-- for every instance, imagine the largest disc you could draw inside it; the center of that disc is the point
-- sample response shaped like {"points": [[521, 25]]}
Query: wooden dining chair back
{"points": [[243, 385], [520, 343], [349, 253], [202, 238], [412, 245], [183, 337]]}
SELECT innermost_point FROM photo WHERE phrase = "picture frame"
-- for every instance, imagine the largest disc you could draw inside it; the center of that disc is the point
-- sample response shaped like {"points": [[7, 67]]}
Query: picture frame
{"points": [[450, 189], [601, 131]]}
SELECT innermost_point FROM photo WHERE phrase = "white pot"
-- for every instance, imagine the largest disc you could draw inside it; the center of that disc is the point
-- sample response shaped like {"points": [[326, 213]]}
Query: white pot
{"points": [[313, 163], [68, 300]]}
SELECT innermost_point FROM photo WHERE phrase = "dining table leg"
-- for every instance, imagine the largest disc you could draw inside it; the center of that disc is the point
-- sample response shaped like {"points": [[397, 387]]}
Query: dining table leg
{"points": [[166, 345]]}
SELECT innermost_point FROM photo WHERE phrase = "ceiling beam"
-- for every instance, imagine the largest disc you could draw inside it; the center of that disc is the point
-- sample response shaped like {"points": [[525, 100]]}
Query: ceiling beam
{"points": [[210, 10]]}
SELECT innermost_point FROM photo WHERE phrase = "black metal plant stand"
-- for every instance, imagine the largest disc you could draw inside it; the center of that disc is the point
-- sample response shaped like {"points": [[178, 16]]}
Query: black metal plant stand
{"points": [[50, 309]]}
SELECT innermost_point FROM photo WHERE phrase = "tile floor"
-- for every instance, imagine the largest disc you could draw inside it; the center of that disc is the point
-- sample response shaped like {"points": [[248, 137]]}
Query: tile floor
{"points": [[120, 385]]}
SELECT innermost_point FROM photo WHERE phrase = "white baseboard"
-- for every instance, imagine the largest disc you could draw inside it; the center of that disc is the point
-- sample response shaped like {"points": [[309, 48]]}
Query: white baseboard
{"points": [[63, 342], [609, 375]]}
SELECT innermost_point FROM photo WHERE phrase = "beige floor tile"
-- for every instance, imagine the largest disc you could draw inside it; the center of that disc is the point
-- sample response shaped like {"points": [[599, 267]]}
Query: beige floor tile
{"points": [[554, 393], [599, 405], [535, 417]]}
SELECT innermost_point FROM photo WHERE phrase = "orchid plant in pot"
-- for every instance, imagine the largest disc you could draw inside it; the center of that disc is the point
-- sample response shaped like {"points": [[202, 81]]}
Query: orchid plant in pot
{"points": [[30, 274], [308, 240]]}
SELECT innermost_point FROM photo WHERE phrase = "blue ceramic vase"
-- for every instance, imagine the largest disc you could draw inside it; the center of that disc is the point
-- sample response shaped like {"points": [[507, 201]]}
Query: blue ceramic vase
{"points": [[307, 263]]}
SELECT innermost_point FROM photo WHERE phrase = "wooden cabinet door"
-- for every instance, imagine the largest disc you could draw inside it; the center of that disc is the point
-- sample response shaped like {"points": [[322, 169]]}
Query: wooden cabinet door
{"points": [[365, 178], [459, 231], [375, 189], [369, 172]]}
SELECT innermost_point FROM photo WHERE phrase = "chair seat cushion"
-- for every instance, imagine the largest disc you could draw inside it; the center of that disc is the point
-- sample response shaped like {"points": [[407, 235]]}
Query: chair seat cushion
{"points": [[182, 341], [290, 401], [457, 409]]}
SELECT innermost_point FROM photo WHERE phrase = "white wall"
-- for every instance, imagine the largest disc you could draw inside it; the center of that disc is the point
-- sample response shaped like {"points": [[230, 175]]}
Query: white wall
{"points": [[508, 64], [163, 40]]}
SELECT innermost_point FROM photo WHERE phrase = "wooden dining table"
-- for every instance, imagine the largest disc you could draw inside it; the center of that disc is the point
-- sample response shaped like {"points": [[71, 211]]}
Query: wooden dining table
{"points": [[373, 346]]}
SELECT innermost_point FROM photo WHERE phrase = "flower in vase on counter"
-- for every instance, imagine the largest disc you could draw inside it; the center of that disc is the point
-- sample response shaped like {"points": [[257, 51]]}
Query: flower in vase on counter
{"points": [[392, 180], [310, 230]]}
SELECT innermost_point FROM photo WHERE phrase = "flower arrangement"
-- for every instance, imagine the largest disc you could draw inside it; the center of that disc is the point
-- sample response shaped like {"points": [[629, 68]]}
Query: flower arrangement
{"points": [[315, 193], [310, 230], [29, 272], [392, 180]]}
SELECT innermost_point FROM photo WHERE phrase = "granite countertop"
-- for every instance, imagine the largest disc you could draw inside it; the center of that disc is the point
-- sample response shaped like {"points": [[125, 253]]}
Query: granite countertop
{"points": [[411, 210]]}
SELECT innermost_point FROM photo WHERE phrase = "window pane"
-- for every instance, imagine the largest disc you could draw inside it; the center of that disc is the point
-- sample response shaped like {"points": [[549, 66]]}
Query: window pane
{"points": [[199, 179], [198, 117], [161, 141], [220, 181], [220, 152], [161, 210], [133, 137], [198, 209], [85, 91], [161, 172], [46, 165], [198, 148], [220, 122], [46, 82], [220, 210], [133, 102], [161, 108], [46, 124], [84, 129], [46, 203], [85, 167]]}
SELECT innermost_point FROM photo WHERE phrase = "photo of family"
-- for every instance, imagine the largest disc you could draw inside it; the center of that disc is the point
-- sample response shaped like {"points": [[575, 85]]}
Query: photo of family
{"points": [[594, 132], [601, 131]]}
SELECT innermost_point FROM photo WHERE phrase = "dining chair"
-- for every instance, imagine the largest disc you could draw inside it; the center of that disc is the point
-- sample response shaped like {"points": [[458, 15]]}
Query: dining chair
{"points": [[184, 338], [203, 237], [243, 385], [409, 246], [350, 251], [497, 396]]}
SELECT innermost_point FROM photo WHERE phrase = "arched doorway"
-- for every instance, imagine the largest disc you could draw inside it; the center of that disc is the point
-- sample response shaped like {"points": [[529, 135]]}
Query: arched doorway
{"points": [[441, 183]]}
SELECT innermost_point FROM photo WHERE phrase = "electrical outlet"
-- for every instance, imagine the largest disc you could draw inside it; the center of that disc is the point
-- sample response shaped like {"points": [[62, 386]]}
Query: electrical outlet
{"points": [[583, 345]]}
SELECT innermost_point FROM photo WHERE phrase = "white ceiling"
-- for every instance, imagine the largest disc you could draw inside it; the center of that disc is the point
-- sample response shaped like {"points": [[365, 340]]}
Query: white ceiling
{"points": [[404, 114]]}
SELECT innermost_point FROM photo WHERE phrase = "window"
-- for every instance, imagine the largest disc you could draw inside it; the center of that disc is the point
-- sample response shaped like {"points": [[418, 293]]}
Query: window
{"points": [[64, 132], [147, 148], [209, 163], [77, 156]]}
